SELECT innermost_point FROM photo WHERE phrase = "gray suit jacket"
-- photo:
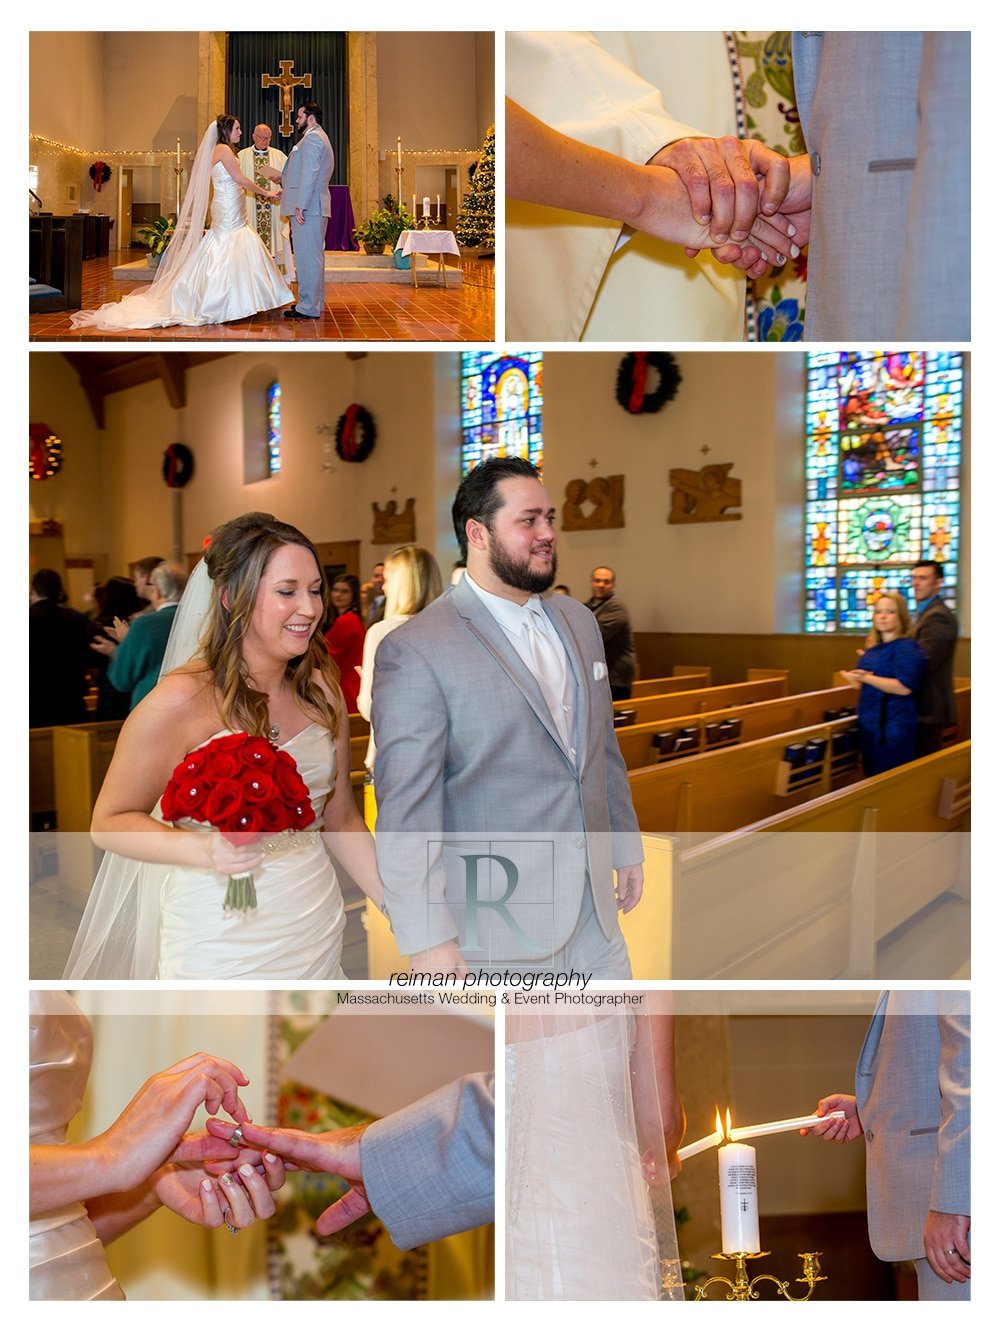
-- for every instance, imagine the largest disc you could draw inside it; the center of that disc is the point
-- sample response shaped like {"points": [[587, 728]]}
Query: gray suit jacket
{"points": [[306, 175], [428, 1169], [467, 746], [912, 1086], [886, 119]]}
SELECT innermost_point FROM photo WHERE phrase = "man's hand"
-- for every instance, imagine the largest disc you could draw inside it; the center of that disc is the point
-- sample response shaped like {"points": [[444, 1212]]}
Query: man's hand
{"points": [[443, 958], [721, 178], [840, 1132], [337, 1152], [628, 887], [299, 217], [946, 1245]]}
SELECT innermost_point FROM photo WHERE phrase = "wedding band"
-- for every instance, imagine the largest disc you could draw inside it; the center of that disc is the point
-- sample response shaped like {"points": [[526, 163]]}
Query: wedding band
{"points": [[952, 1251], [236, 1137], [233, 1229]]}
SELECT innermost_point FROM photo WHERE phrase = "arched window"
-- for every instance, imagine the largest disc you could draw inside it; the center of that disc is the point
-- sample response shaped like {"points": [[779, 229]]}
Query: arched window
{"points": [[274, 428], [501, 406], [883, 467]]}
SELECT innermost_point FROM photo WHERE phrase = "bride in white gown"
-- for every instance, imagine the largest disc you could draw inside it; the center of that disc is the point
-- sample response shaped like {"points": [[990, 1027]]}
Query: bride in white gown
{"points": [[205, 277], [156, 910], [593, 1125]]}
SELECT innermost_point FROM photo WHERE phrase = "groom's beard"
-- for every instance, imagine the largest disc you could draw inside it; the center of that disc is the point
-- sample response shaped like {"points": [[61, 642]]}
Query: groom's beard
{"points": [[519, 574]]}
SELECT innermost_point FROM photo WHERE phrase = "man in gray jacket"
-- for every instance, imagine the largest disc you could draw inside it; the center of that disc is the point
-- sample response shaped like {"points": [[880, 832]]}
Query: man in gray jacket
{"points": [[305, 198]]}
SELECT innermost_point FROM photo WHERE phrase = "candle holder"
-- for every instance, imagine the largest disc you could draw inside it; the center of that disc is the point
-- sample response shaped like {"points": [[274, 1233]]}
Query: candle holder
{"points": [[744, 1289], [427, 223]]}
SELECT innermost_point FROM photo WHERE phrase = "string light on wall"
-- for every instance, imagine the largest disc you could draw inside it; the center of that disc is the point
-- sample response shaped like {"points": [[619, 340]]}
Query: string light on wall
{"points": [[44, 452]]}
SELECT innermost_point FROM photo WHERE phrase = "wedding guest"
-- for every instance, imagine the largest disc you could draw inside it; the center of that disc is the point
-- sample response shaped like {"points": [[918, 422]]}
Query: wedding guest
{"points": [[141, 572], [58, 640], [412, 581], [376, 607], [345, 636], [889, 673], [116, 602], [135, 664], [615, 625], [936, 631]]}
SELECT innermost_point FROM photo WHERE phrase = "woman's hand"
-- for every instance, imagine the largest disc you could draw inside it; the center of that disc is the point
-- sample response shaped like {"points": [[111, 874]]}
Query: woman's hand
{"points": [[227, 858], [241, 1196], [149, 1131]]}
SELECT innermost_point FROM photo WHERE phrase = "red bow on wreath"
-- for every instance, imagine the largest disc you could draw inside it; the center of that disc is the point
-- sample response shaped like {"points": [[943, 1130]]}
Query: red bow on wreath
{"points": [[100, 174], [355, 437]]}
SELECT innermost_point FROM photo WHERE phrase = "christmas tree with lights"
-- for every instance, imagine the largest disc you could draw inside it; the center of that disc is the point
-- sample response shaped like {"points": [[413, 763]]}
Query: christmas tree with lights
{"points": [[477, 216]]}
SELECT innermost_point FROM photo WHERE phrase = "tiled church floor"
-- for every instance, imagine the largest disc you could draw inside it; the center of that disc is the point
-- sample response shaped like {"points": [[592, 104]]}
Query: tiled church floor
{"points": [[353, 312]]}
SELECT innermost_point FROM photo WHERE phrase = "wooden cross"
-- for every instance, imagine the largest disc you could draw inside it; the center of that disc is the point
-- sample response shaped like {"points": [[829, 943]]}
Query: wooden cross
{"points": [[286, 81]]}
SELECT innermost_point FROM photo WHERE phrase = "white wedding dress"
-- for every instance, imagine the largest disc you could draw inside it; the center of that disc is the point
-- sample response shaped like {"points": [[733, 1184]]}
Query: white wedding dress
{"points": [[582, 1222], [144, 920], [228, 275]]}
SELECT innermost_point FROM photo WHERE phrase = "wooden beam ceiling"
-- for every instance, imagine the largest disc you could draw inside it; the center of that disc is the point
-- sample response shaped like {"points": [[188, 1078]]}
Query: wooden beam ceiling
{"points": [[104, 373]]}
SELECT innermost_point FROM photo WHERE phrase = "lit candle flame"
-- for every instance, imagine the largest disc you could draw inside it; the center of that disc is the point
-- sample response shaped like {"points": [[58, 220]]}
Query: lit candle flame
{"points": [[718, 1121]]}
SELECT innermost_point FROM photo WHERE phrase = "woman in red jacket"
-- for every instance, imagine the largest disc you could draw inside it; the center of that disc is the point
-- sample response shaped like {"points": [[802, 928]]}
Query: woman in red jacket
{"points": [[346, 636]]}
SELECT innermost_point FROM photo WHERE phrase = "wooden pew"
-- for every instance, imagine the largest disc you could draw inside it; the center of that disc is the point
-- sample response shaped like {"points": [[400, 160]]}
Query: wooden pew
{"points": [[732, 786], [694, 679], [750, 722], [709, 698], [726, 789], [41, 778], [870, 881]]}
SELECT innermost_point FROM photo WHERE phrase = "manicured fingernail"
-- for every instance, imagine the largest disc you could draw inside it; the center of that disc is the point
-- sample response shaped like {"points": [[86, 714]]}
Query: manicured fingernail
{"points": [[227, 1179], [270, 1158], [796, 252], [779, 259], [206, 1186], [246, 1170], [791, 229]]}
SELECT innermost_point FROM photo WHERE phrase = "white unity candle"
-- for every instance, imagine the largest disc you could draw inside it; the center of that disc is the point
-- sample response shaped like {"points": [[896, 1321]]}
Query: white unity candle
{"points": [[427, 206], [738, 1198]]}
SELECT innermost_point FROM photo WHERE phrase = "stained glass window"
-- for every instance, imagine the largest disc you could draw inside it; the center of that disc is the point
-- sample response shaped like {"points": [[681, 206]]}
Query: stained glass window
{"points": [[883, 465], [501, 406], [273, 429]]}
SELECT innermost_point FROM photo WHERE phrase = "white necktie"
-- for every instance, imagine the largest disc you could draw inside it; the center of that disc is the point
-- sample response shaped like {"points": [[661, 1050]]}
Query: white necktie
{"points": [[549, 669]]}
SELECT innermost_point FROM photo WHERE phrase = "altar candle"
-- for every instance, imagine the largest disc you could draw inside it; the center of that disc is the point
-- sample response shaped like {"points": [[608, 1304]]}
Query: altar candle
{"points": [[178, 153], [738, 1198], [776, 1127], [439, 208], [413, 207], [399, 152], [427, 206]]}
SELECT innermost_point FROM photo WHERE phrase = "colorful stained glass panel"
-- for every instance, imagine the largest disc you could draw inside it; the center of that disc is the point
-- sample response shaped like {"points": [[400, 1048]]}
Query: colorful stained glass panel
{"points": [[501, 406]]}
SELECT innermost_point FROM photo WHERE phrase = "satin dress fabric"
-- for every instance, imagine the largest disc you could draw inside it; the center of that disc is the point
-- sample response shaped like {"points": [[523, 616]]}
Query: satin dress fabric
{"points": [[229, 276], [296, 930], [579, 1224], [67, 1262]]}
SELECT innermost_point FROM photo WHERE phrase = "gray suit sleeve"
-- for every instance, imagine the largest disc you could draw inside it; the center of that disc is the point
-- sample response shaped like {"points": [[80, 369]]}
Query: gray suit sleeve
{"points": [[950, 1193], [428, 1169], [410, 725]]}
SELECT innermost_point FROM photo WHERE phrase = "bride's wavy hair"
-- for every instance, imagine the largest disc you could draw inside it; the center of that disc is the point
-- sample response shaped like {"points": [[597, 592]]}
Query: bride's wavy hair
{"points": [[236, 560], [224, 128]]}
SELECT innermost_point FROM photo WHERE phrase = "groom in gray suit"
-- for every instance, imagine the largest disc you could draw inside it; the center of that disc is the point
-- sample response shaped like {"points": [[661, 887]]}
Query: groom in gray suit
{"points": [[912, 1106], [305, 198], [503, 800]]}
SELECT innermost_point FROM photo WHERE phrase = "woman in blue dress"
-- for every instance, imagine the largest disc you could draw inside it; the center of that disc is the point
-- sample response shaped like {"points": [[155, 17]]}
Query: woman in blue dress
{"points": [[889, 673]]}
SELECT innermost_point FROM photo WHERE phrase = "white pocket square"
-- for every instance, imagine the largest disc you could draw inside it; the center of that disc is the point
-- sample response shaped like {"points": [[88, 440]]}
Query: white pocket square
{"points": [[600, 671]]}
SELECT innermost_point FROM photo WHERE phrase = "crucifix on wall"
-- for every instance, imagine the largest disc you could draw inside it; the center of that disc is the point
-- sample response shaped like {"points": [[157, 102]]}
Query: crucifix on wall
{"points": [[286, 81]]}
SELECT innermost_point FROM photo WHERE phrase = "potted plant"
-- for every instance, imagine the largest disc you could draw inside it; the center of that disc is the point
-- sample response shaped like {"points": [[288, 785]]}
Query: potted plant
{"points": [[157, 236], [383, 228]]}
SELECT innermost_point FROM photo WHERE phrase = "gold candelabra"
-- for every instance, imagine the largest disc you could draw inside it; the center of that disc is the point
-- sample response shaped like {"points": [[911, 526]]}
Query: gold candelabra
{"points": [[744, 1289]]}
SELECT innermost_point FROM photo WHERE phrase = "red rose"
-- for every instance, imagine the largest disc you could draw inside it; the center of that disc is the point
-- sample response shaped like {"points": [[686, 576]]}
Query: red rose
{"points": [[259, 787], [290, 785], [257, 753], [273, 816], [220, 765], [183, 798], [223, 805], [247, 822]]}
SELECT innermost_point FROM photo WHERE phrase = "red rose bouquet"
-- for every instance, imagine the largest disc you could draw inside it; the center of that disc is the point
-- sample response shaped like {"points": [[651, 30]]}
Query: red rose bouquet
{"points": [[245, 787]]}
